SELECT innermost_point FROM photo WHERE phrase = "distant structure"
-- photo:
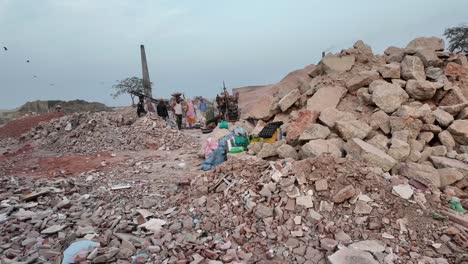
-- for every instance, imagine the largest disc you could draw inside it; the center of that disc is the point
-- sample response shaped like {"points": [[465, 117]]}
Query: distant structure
{"points": [[146, 78]]}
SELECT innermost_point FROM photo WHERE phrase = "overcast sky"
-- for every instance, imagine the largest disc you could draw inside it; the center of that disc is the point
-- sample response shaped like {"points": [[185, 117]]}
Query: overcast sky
{"points": [[79, 48]]}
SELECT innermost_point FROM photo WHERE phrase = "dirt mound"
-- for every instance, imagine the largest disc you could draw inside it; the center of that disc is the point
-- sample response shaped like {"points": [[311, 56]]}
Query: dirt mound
{"points": [[16, 128], [108, 131]]}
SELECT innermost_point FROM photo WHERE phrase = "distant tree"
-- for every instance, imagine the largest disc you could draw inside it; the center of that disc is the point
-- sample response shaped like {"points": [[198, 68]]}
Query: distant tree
{"points": [[458, 38], [125, 86]]}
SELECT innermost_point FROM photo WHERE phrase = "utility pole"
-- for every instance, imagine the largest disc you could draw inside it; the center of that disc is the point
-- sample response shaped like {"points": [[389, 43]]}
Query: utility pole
{"points": [[146, 78]]}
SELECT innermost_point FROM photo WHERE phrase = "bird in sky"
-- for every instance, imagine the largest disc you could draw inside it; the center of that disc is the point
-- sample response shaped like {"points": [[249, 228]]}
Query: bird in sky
{"points": [[27, 61], [35, 76], [5, 48], [52, 84]]}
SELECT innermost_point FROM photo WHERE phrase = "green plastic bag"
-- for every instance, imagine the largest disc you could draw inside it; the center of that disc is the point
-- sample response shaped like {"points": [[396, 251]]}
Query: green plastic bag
{"points": [[236, 150], [241, 141], [224, 125], [456, 205]]}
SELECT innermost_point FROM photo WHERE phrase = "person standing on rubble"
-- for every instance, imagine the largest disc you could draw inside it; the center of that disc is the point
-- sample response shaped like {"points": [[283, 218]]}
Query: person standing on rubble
{"points": [[162, 110], [178, 112]]}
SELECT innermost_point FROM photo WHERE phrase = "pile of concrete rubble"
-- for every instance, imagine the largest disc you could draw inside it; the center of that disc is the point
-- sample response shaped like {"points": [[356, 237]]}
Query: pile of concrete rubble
{"points": [[404, 112], [245, 211], [107, 131]]}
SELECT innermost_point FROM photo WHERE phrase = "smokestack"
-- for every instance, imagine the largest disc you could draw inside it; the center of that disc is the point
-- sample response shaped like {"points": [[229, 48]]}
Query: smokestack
{"points": [[146, 78]]}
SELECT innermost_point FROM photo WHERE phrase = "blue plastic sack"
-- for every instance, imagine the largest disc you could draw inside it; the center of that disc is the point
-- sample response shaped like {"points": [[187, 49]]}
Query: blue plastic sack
{"points": [[217, 157], [77, 247]]}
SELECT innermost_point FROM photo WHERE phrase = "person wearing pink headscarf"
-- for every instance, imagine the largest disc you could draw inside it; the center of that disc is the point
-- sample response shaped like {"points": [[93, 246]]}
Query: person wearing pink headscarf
{"points": [[190, 114]]}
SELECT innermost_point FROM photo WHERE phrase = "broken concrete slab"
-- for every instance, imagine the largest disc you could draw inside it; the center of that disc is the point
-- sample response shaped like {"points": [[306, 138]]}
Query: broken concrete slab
{"points": [[449, 176], [315, 131], [303, 120], [330, 115], [362, 79], [326, 97], [390, 71], [424, 174], [372, 246], [443, 162], [318, 147], [289, 99], [388, 97], [351, 256], [332, 63], [412, 68], [365, 152], [421, 89], [403, 190], [426, 43], [459, 130], [352, 129]]}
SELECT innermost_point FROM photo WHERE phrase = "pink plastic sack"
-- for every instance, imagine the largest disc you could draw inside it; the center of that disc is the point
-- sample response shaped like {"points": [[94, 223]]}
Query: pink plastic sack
{"points": [[211, 145]]}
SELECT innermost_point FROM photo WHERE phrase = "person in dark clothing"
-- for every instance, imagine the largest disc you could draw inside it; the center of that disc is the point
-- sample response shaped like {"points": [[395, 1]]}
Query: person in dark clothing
{"points": [[141, 106], [162, 110]]}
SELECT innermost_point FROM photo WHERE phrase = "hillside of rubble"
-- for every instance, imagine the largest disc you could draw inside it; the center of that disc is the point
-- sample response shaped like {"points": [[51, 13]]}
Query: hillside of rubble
{"points": [[372, 168]]}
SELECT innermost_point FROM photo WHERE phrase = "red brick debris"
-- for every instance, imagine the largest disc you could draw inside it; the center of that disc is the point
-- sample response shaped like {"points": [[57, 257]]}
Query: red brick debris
{"points": [[17, 127]]}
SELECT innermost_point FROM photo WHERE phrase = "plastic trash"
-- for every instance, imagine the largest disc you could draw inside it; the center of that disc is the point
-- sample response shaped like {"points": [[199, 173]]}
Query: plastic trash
{"points": [[236, 150], [456, 205], [77, 248], [439, 217], [224, 125], [211, 145]]}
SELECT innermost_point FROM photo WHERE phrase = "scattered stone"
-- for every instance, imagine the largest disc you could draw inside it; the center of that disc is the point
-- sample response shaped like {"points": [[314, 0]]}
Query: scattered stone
{"points": [[388, 97], [333, 63], [318, 147], [390, 71], [412, 68], [443, 162], [373, 156], [403, 190], [328, 244], [286, 151], [289, 99], [380, 120], [330, 115], [394, 54], [351, 256], [443, 118], [352, 129], [372, 246], [326, 97], [459, 131], [321, 185], [263, 211], [424, 174], [363, 78], [423, 43], [447, 140], [362, 208], [344, 194], [305, 201], [52, 229], [399, 150], [449, 176], [421, 89], [315, 131]]}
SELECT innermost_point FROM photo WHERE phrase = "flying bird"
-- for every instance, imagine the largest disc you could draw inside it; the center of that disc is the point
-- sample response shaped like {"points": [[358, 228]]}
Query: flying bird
{"points": [[5, 48], [52, 84], [34, 76], [27, 61]]}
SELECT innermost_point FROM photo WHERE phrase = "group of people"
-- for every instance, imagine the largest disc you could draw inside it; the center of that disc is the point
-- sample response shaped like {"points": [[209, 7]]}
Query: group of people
{"points": [[180, 108]]}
